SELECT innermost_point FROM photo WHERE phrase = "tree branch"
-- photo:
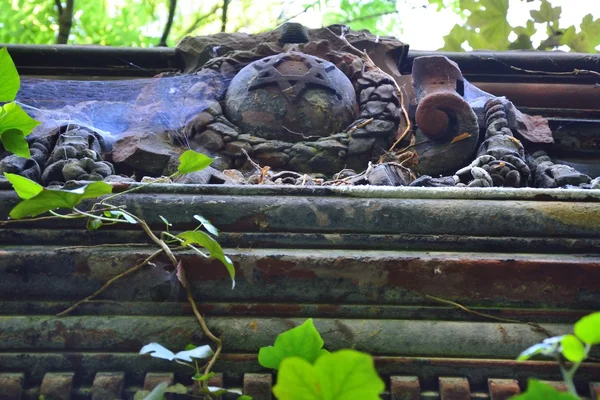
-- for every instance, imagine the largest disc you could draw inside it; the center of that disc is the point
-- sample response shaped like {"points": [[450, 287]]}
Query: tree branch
{"points": [[58, 6], [165, 35], [224, 15], [370, 16], [199, 19], [306, 8], [65, 21]]}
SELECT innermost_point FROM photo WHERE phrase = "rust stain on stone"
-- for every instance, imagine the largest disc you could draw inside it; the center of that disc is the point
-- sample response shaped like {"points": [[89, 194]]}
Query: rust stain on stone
{"points": [[253, 326], [503, 333], [327, 309], [265, 309], [496, 279], [199, 270], [274, 268], [249, 223]]}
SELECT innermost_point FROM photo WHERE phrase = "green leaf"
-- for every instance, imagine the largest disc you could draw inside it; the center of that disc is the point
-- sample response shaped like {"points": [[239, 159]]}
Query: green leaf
{"points": [[93, 190], [490, 17], [95, 224], [588, 329], [213, 247], [303, 341], [12, 117], [158, 393], [297, 380], [537, 390], [9, 77], [244, 397], [202, 378], [192, 161], [120, 215], [25, 188], [167, 223], [548, 347], [453, 41], [207, 225], [342, 375], [51, 199], [14, 141], [572, 348], [178, 388], [546, 14]]}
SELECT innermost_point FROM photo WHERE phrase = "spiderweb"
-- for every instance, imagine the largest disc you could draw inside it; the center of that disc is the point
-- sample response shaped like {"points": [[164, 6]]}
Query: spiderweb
{"points": [[115, 107]]}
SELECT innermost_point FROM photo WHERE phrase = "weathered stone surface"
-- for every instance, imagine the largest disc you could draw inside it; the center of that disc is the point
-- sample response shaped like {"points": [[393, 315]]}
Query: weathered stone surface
{"points": [[235, 176], [253, 140], [18, 165], [373, 109], [119, 178], [208, 175], [388, 175], [388, 92], [271, 146], [146, 152], [85, 169], [291, 92], [272, 159], [235, 148], [360, 145], [210, 140], [198, 123], [108, 385], [366, 94], [57, 386], [223, 129], [428, 181], [380, 127], [550, 175]]}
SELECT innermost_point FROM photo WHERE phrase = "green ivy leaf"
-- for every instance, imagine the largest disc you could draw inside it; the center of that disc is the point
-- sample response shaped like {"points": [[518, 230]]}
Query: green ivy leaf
{"points": [[12, 117], [51, 199], [207, 225], [213, 247], [453, 41], [158, 393], [120, 215], [167, 223], [342, 375], [95, 224], [25, 188], [591, 28], [490, 18], [14, 141], [303, 341], [572, 348], [537, 390], [192, 161], [546, 14], [297, 380], [9, 77], [178, 389], [202, 378], [588, 329], [548, 347]]}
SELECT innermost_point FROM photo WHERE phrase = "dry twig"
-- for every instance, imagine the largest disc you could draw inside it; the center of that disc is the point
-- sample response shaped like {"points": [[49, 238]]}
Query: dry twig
{"points": [[535, 327]]}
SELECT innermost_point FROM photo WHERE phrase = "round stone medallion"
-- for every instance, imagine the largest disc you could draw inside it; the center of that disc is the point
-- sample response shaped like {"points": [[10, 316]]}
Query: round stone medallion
{"points": [[291, 97]]}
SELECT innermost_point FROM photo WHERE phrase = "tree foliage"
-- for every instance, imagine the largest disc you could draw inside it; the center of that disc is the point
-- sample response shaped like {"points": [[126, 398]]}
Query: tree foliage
{"points": [[145, 23]]}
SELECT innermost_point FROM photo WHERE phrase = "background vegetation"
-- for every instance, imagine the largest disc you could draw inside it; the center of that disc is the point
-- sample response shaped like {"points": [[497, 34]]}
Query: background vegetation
{"points": [[145, 23]]}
